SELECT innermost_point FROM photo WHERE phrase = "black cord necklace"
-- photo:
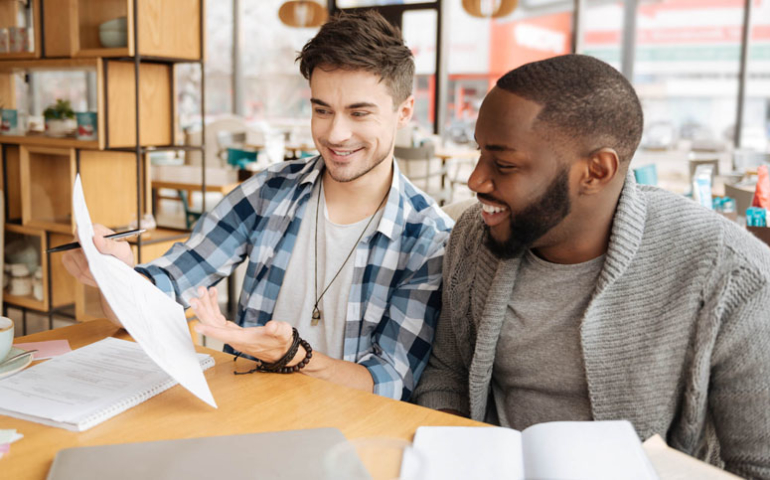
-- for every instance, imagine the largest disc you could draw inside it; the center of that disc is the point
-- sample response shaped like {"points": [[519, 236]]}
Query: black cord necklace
{"points": [[317, 315]]}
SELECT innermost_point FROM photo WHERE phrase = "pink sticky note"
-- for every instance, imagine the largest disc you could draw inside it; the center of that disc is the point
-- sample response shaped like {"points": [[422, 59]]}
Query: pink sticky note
{"points": [[5, 448], [48, 349]]}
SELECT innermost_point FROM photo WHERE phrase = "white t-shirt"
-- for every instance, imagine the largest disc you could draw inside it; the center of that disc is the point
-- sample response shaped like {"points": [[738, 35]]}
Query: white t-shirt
{"points": [[297, 296]]}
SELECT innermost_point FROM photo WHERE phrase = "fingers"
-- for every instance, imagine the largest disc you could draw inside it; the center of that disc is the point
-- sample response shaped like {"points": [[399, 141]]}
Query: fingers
{"points": [[206, 307], [76, 264], [118, 249]]}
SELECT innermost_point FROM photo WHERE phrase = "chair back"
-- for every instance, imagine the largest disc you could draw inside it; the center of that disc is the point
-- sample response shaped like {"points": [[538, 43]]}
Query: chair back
{"points": [[427, 172], [229, 139], [423, 152]]}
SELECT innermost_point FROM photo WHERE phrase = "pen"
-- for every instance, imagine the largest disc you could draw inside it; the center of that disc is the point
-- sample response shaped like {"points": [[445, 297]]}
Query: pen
{"points": [[74, 245]]}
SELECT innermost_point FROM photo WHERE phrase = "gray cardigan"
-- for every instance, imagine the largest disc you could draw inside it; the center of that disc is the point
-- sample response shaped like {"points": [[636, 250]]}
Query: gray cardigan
{"points": [[676, 337]]}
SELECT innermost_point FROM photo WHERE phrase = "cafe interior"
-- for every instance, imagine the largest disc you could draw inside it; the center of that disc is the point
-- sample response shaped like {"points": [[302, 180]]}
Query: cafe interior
{"points": [[165, 106]]}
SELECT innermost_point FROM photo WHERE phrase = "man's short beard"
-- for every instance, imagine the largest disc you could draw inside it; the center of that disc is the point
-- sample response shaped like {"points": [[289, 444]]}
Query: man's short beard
{"points": [[539, 217]]}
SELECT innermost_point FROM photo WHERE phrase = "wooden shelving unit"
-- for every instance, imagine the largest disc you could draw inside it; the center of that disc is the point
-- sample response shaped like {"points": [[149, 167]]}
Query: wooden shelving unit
{"points": [[135, 103]]}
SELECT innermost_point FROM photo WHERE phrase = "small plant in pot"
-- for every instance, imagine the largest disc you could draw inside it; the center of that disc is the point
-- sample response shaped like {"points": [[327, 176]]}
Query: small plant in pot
{"points": [[59, 119]]}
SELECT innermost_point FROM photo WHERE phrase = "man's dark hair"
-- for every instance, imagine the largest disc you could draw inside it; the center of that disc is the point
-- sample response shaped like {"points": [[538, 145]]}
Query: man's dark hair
{"points": [[362, 41], [584, 99]]}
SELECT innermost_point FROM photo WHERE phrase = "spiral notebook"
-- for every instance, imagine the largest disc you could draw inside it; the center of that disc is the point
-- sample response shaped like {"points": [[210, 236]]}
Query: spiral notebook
{"points": [[87, 386]]}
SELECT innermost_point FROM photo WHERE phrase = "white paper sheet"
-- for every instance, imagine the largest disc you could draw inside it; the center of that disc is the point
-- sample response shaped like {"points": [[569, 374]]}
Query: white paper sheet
{"points": [[605, 450], [153, 319], [466, 452]]}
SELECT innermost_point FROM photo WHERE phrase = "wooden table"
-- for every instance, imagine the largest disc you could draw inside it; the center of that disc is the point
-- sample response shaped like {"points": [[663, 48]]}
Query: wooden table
{"points": [[189, 178], [247, 404]]}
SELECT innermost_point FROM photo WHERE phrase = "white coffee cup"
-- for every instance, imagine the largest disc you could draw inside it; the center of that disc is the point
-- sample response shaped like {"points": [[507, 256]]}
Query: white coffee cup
{"points": [[6, 336]]}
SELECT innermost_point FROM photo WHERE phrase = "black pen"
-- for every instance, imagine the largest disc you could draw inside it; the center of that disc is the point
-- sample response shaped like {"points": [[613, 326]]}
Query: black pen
{"points": [[74, 245]]}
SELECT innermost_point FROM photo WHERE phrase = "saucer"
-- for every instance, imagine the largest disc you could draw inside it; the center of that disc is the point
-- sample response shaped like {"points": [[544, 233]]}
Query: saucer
{"points": [[16, 365]]}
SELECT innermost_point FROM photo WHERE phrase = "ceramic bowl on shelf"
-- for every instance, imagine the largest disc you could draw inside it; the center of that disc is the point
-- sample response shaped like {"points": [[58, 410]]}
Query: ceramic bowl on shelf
{"points": [[113, 39], [114, 33]]}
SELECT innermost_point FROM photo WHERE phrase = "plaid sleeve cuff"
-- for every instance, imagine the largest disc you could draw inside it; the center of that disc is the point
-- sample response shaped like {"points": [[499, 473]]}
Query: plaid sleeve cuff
{"points": [[159, 278], [387, 382]]}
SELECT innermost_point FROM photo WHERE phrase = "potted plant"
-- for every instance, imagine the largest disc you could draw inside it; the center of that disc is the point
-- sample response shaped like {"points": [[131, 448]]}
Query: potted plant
{"points": [[59, 119]]}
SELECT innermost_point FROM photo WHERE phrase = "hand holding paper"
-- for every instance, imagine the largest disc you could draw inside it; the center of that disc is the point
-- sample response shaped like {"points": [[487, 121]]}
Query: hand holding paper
{"points": [[154, 320]]}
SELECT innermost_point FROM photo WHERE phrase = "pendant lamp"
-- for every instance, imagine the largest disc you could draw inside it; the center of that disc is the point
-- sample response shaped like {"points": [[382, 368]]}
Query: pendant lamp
{"points": [[302, 13], [489, 8]]}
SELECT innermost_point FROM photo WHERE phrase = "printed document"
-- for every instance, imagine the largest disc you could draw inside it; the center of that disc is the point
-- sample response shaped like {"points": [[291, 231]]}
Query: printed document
{"points": [[153, 319]]}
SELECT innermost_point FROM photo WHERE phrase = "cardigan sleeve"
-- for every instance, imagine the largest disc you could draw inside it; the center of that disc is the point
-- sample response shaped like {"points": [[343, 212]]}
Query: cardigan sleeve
{"points": [[739, 394], [444, 383]]}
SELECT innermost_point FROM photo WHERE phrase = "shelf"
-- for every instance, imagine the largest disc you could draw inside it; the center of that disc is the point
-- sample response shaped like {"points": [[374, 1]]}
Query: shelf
{"points": [[18, 56], [166, 29], [14, 235], [63, 289], [116, 102], [9, 12], [45, 141], [109, 186]]}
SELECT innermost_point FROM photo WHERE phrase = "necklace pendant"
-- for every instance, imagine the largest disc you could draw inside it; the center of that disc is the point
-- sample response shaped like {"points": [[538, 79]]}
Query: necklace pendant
{"points": [[316, 317]]}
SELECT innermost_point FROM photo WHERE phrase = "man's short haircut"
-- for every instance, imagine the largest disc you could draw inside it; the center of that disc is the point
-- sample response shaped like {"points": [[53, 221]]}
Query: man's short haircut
{"points": [[584, 98], [362, 41]]}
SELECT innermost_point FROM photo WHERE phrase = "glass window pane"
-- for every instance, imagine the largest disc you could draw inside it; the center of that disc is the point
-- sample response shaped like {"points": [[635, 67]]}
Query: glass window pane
{"points": [[755, 133], [274, 88], [419, 31], [481, 50]]}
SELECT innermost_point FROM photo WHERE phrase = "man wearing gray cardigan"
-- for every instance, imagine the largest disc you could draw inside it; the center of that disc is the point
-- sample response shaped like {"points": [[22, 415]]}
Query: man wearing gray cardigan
{"points": [[572, 293]]}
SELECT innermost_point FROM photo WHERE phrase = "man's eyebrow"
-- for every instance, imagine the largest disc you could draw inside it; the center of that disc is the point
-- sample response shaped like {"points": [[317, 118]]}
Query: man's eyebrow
{"points": [[353, 106], [494, 147], [361, 105], [499, 148]]}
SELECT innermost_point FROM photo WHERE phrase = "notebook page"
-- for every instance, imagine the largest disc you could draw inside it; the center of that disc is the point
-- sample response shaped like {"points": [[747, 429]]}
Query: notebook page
{"points": [[585, 450], [468, 452], [153, 319], [82, 382]]}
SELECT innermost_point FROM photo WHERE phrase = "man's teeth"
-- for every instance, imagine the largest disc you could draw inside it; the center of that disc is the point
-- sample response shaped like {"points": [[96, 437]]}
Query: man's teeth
{"points": [[491, 208], [343, 154]]}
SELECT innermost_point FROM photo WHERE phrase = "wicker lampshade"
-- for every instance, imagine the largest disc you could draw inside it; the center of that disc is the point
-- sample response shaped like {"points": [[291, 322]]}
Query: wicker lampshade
{"points": [[489, 8], [302, 13]]}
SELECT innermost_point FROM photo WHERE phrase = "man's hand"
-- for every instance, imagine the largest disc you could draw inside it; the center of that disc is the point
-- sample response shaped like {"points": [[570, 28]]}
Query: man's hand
{"points": [[75, 260], [76, 264], [269, 343]]}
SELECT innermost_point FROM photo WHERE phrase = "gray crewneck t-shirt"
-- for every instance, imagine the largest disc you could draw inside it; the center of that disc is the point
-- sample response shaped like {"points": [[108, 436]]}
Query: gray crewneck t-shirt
{"points": [[539, 374]]}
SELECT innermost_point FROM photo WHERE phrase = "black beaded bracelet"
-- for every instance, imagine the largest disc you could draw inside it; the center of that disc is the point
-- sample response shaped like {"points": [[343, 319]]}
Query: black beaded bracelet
{"points": [[280, 365]]}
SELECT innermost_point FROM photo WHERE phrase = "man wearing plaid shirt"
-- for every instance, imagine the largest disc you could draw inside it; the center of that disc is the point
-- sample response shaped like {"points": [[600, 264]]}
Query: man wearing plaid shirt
{"points": [[341, 247]]}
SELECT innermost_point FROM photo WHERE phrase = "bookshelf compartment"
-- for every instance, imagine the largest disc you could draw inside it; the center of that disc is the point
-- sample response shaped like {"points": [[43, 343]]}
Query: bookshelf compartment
{"points": [[47, 176], [167, 29], [13, 13], [116, 102], [109, 186], [25, 249]]}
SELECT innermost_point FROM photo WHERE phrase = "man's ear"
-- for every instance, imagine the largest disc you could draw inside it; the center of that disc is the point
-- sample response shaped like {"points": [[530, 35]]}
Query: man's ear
{"points": [[600, 168], [405, 111]]}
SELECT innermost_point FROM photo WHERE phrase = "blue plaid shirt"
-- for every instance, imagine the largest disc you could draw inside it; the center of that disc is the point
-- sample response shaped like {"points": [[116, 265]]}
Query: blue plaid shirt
{"points": [[395, 296]]}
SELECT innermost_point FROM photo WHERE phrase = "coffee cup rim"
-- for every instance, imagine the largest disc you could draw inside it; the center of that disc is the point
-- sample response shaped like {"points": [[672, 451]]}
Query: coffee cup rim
{"points": [[10, 326]]}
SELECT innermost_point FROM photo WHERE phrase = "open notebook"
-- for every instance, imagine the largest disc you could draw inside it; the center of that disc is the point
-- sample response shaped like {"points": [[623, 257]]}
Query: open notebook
{"points": [[563, 450], [86, 386]]}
